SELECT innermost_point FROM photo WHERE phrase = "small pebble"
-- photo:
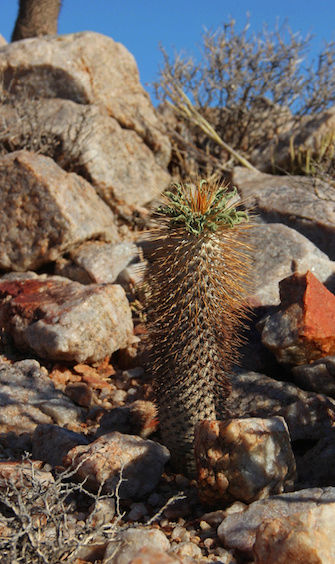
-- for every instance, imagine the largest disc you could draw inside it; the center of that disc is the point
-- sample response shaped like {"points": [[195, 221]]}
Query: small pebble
{"points": [[132, 392], [214, 518], [180, 534], [137, 511], [208, 543], [136, 372], [187, 549], [236, 508], [118, 396], [182, 481], [154, 499]]}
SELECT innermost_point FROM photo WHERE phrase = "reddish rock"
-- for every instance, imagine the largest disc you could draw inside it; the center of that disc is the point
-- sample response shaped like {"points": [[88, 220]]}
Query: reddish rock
{"points": [[63, 320], [303, 329]]}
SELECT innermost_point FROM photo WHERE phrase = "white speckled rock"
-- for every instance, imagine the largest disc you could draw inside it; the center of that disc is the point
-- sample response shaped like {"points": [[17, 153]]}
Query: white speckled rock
{"points": [[243, 459]]}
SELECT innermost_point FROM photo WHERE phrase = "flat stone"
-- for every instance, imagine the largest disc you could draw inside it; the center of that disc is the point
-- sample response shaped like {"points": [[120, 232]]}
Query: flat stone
{"points": [[239, 531], [309, 416], [87, 68], [243, 459], [62, 320], [303, 329], [278, 252], [25, 393], [46, 211], [86, 140], [301, 202], [97, 262], [137, 461]]}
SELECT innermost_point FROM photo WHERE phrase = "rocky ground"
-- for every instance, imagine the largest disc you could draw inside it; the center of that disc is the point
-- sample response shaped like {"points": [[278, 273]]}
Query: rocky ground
{"points": [[83, 475]]}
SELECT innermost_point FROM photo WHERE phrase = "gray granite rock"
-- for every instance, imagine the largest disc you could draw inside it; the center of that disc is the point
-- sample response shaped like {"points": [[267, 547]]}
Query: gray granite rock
{"points": [[87, 68], [279, 251], [46, 211], [97, 262], [85, 139], [308, 415], [51, 443], [26, 391], [319, 376], [316, 466], [303, 203]]}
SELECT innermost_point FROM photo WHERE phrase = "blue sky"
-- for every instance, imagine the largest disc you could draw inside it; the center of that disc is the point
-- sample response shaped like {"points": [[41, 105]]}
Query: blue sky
{"points": [[141, 25]]}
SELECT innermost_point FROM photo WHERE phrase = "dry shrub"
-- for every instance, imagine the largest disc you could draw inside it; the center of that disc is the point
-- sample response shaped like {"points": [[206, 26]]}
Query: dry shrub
{"points": [[40, 522], [248, 87]]}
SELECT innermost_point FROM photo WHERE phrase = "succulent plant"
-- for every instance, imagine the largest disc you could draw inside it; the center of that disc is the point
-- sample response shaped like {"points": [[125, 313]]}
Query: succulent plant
{"points": [[198, 277]]}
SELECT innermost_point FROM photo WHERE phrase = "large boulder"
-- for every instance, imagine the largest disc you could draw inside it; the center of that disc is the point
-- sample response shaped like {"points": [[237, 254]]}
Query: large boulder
{"points": [[87, 140], [259, 530], [46, 211], [87, 68]]}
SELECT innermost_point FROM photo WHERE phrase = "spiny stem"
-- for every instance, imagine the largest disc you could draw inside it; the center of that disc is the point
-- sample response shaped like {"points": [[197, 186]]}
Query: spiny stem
{"points": [[198, 279]]}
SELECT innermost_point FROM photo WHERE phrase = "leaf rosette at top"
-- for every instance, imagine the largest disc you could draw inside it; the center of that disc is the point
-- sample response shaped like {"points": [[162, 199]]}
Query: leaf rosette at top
{"points": [[202, 207]]}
